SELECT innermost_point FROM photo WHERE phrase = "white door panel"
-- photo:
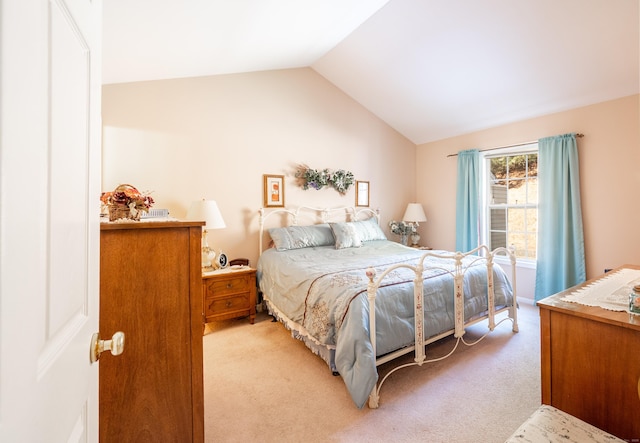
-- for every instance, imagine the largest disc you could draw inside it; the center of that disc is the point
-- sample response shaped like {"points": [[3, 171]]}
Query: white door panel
{"points": [[69, 151], [49, 218]]}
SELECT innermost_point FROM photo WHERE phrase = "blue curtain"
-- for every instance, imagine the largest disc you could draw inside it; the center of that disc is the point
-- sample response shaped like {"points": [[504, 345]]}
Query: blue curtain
{"points": [[468, 200], [560, 262]]}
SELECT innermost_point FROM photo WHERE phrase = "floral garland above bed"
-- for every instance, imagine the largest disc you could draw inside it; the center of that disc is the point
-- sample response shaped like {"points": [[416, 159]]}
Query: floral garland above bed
{"points": [[339, 180]]}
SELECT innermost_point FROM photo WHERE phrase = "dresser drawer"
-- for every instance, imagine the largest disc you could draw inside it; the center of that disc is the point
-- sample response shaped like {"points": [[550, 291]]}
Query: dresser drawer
{"points": [[227, 286], [221, 306]]}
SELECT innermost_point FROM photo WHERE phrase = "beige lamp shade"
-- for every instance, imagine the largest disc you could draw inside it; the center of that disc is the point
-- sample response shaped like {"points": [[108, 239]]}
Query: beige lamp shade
{"points": [[414, 213], [207, 211]]}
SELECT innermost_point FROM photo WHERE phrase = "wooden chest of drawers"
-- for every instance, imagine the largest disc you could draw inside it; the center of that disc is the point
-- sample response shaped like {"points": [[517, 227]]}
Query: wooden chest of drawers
{"points": [[590, 364], [229, 294], [150, 275]]}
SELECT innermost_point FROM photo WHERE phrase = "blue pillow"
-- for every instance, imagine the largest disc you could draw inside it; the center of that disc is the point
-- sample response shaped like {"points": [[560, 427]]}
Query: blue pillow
{"points": [[297, 237], [369, 230]]}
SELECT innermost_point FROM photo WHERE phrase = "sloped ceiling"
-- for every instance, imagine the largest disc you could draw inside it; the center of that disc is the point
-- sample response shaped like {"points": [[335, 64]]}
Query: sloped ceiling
{"points": [[431, 69]]}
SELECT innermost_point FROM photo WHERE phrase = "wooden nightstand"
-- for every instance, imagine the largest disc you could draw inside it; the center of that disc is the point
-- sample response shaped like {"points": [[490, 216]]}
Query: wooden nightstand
{"points": [[229, 293]]}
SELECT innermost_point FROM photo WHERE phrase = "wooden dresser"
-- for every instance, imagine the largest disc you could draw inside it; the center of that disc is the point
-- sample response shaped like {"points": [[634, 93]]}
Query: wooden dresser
{"points": [[151, 289], [590, 363]]}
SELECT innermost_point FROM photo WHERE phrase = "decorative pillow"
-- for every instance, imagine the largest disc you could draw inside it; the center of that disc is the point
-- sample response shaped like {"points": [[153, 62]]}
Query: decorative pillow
{"points": [[345, 235], [297, 237], [369, 230]]}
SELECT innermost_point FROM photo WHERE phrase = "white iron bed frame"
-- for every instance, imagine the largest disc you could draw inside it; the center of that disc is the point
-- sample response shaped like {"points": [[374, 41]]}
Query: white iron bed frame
{"points": [[325, 215], [459, 321]]}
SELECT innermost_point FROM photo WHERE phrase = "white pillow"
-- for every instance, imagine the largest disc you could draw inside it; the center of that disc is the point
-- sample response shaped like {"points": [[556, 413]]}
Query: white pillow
{"points": [[345, 235]]}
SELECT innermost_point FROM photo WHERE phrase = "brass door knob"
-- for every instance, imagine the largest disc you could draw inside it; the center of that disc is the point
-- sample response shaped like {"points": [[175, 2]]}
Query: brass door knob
{"points": [[115, 345]]}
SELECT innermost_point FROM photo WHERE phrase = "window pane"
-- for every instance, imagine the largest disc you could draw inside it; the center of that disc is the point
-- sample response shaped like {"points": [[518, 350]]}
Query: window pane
{"points": [[498, 192], [532, 191], [531, 246], [498, 167], [498, 240], [517, 165], [517, 240], [498, 220], [533, 165], [532, 219], [525, 244], [517, 193], [516, 219]]}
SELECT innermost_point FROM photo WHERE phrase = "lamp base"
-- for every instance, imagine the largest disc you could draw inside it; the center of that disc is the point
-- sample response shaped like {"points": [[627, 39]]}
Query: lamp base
{"points": [[208, 259], [415, 240]]}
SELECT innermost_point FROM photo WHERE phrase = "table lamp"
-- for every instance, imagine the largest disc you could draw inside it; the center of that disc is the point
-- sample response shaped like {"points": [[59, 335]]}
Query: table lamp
{"points": [[207, 211], [414, 214]]}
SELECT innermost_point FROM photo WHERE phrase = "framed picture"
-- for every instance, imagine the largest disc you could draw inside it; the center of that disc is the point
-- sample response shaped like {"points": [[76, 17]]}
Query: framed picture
{"points": [[273, 190], [362, 193]]}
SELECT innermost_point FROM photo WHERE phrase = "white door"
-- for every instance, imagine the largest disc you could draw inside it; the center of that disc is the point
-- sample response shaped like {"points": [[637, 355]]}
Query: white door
{"points": [[50, 62]]}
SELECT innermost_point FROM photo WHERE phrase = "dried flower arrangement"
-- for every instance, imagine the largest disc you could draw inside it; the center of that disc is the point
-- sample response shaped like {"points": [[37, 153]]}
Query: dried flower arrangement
{"points": [[126, 202], [402, 228], [339, 180]]}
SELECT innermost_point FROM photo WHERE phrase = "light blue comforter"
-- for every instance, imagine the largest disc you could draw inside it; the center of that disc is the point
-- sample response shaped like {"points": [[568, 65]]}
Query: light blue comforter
{"points": [[322, 293]]}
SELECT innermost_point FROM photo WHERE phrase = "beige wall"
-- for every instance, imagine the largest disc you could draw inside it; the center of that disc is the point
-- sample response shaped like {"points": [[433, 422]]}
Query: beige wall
{"points": [[609, 172], [214, 138]]}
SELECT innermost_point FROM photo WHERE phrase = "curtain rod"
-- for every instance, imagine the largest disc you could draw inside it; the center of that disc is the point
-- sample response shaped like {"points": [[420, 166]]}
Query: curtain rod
{"points": [[510, 146]]}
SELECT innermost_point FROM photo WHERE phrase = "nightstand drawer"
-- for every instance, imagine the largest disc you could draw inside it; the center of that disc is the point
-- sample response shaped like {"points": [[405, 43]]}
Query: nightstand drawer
{"points": [[220, 306], [231, 285]]}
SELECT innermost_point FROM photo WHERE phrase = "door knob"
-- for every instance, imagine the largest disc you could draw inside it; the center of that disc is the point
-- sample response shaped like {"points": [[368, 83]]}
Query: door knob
{"points": [[115, 345]]}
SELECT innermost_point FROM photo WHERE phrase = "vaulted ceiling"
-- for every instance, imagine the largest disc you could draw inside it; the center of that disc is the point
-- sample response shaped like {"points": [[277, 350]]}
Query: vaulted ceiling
{"points": [[431, 69]]}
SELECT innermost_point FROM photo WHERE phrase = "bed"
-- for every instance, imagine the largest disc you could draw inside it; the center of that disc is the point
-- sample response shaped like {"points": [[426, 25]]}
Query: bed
{"points": [[326, 270]]}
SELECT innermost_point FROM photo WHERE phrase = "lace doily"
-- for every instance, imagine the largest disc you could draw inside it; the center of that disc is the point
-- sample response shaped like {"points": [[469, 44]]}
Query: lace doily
{"points": [[609, 292]]}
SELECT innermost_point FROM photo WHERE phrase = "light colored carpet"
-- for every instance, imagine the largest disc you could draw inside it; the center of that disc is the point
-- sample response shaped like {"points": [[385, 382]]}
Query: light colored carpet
{"points": [[263, 385]]}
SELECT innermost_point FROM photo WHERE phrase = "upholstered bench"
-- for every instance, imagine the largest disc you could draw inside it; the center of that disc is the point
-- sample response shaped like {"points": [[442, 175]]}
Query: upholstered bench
{"points": [[550, 425]]}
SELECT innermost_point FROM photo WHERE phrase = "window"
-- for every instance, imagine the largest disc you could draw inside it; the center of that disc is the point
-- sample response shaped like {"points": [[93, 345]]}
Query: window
{"points": [[511, 208]]}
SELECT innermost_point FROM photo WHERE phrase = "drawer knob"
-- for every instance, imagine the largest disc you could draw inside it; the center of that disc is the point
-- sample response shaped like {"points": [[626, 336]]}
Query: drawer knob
{"points": [[229, 304]]}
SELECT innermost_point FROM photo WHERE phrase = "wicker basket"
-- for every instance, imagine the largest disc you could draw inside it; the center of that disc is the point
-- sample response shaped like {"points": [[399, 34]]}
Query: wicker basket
{"points": [[117, 212], [122, 211]]}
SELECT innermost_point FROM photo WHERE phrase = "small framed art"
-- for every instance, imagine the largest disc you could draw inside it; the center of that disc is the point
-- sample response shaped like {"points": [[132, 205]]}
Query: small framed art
{"points": [[273, 190], [362, 193]]}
